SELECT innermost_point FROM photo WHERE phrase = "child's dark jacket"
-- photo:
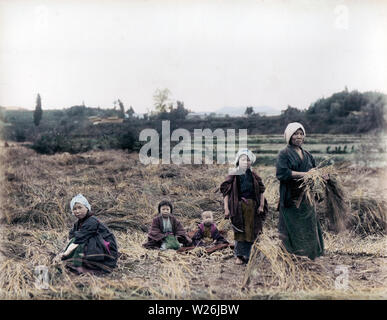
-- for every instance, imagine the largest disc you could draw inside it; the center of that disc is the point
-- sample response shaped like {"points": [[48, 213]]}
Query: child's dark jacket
{"points": [[156, 234], [94, 235], [231, 187]]}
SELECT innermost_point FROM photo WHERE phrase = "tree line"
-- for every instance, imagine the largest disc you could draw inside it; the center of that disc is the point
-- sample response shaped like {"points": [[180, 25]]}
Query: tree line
{"points": [[70, 130]]}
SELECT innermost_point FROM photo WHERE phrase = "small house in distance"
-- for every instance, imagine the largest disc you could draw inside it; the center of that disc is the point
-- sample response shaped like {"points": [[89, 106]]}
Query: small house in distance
{"points": [[138, 115], [196, 115], [98, 120]]}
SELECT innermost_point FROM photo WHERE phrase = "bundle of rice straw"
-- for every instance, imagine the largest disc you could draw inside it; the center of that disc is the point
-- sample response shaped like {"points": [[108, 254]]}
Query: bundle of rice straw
{"points": [[316, 188], [369, 215]]}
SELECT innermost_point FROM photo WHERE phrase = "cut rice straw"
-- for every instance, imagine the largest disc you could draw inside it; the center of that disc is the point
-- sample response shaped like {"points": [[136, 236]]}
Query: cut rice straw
{"points": [[320, 183]]}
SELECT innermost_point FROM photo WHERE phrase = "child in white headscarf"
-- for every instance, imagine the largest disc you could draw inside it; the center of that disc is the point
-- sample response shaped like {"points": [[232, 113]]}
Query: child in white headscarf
{"points": [[244, 204], [92, 246]]}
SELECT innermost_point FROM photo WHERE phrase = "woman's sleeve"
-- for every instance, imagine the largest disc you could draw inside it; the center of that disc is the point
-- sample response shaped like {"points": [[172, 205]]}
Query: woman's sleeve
{"points": [[283, 172], [72, 232], [180, 231], [88, 229], [313, 161], [262, 187], [155, 232], [258, 180], [225, 187]]}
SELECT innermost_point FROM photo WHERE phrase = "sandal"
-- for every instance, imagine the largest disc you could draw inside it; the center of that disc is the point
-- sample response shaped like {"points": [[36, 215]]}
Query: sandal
{"points": [[239, 261]]}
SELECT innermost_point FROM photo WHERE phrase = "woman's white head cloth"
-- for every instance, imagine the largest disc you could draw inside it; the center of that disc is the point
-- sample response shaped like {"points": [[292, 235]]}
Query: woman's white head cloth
{"points": [[291, 129], [80, 199], [248, 153]]}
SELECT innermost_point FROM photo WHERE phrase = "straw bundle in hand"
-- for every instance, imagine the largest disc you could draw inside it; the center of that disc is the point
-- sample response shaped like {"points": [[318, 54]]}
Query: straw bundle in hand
{"points": [[320, 183]]}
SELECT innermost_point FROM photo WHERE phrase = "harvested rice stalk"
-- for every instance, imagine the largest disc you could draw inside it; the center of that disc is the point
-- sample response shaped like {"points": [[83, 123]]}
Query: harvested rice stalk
{"points": [[316, 187], [283, 270], [337, 205]]}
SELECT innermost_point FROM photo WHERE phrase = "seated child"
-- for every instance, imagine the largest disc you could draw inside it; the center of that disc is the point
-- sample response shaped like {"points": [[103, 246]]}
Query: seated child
{"points": [[92, 247], [166, 231], [207, 233]]}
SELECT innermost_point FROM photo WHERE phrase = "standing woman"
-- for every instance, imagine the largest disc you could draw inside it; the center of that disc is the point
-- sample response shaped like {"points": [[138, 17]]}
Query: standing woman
{"points": [[244, 204], [299, 228]]}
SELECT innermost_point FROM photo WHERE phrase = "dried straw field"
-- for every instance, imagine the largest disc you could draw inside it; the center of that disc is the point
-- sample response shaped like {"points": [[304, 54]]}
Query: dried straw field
{"points": [[35, 220]]}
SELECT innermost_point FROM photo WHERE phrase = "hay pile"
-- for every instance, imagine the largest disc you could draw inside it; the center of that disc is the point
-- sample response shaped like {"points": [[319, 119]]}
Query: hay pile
{"points": [[369, 215], [283, 270]]}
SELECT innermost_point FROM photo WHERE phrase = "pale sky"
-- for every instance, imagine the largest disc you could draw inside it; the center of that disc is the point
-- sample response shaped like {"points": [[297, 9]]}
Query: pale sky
{"points": [[209, 54]]}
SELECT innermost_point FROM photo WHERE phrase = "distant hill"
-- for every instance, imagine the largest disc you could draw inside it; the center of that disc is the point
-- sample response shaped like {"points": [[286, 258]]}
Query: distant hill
{"points": [[14, 108]]}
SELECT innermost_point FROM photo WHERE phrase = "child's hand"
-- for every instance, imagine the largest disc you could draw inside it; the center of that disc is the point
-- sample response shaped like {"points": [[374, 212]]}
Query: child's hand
{"points": [[70, 249], [260, 209]]}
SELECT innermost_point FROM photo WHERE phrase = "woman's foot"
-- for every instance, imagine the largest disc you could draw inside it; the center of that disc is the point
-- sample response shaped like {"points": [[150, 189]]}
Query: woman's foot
{"points": [[239, 261]]}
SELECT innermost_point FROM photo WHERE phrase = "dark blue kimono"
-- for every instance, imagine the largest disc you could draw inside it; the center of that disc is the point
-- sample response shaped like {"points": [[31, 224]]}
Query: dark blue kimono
{"points": [[299, 228], [99, 246]]}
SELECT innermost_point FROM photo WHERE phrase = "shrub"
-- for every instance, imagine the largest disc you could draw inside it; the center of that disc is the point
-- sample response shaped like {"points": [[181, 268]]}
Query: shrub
{"points": [[51, 143]]}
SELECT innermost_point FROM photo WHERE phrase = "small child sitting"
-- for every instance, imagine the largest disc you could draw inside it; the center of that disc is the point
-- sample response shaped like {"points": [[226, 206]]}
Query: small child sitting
{"points": [[166, 231], [207, 233], [92, 247]]}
